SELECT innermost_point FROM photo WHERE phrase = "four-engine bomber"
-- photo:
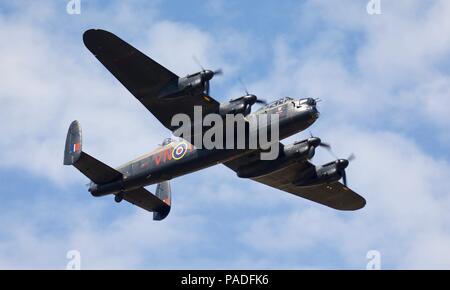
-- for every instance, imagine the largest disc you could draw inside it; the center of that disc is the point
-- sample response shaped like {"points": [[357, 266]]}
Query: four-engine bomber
{"points": [[165, 95]]}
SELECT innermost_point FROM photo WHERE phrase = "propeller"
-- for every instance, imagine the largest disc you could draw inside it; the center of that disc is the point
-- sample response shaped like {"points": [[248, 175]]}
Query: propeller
{"points": [[249, 99], [244, 86], [317, 142], [342, 164], [207, 75], [257, 101]]}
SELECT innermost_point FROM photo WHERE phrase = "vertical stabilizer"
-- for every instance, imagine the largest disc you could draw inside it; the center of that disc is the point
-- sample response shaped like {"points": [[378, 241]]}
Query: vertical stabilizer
{"points": [[164, 193], [72, 151]]}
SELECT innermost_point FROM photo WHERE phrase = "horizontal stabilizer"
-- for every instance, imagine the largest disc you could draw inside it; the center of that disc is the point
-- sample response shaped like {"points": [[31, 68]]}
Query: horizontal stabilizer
{"points": [[95, 170], [148, 201]]}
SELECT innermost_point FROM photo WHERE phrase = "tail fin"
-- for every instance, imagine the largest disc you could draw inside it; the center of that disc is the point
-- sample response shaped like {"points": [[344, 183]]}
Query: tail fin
{"points": [[95, 170], [72, 152], [101, 173], [164, 193]]}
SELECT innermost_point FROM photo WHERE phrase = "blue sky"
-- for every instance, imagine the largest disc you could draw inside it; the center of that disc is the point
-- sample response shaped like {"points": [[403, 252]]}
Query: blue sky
{"points": [[383, 80]]}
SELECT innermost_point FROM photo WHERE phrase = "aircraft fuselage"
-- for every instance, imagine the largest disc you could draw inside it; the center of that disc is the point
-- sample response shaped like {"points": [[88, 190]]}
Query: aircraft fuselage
{"points": [[180, 157]]}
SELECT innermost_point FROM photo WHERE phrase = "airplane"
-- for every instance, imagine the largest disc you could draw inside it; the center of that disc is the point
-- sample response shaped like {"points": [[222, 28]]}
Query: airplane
{"points": [[165, 94]]}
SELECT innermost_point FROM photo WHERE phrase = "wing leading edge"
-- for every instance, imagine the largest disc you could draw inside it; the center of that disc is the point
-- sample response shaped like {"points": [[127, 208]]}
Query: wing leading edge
{"points": [[144, 77], [334, 195]]}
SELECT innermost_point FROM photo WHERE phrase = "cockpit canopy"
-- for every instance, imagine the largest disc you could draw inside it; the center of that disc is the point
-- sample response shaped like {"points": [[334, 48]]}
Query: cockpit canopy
{"points": [[308, 101], [167, 141], [275, 103]]}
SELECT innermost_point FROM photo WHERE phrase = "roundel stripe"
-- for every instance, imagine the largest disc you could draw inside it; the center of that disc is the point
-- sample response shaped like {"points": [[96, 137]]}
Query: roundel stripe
{"points": [[179, 151]]}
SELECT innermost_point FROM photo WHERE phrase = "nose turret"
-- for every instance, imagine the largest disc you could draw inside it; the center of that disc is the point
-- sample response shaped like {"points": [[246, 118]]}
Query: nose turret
{"points": [[314, 112], [311, 107], [311, 102]]}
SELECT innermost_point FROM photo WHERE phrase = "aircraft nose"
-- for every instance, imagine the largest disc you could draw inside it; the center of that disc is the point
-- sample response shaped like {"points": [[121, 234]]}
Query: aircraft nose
{"points": [[314, 112]]}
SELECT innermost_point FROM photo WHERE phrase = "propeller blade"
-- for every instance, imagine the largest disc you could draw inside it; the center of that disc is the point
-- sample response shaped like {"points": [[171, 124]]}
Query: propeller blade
{"points": [[243, 86], [264, 102], [331, 152], [325, 145], [311, 152], [218, 72], [198, 62], [207, 88], [247, 110], [344, 177], [351, 157]]}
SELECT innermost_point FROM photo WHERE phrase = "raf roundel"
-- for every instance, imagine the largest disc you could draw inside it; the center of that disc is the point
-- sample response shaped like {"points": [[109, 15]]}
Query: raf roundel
{"points": [[179, 151]]}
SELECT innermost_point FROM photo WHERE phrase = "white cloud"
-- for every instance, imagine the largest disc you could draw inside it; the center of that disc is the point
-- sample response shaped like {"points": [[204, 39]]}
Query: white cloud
{"points": [[392, 77], [50, 79], [129, 240], [46, 84], [357, 64], [364, 66], [407, 209]]}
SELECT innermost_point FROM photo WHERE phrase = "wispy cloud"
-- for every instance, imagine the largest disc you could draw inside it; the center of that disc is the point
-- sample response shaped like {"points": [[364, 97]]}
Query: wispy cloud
{"points": [[383, 80]]}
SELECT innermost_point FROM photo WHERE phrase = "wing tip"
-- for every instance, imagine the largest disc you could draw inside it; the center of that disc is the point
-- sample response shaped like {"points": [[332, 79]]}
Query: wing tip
{"points": [[358, 204], [91, 36]]}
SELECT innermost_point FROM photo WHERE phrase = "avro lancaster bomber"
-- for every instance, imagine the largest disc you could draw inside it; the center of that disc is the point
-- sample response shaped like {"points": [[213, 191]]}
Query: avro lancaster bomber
{"points": [[165, 95]]}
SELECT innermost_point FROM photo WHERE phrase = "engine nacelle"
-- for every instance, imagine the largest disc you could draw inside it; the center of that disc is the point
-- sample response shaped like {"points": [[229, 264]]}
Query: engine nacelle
{"points": [[326, 174], [234, 107], [289, 154], [242, 105], [191, 84]]}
